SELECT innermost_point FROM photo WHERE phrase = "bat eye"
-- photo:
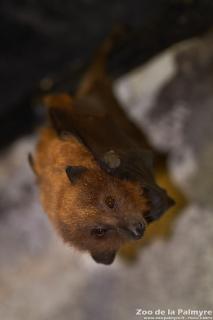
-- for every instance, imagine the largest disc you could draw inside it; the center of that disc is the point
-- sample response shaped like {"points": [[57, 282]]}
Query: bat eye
{"points": [[99, 232], [110, 202]]}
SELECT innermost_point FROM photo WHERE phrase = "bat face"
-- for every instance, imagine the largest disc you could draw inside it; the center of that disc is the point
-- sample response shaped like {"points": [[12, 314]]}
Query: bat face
{"points": [[100, 212], [91, 209]]}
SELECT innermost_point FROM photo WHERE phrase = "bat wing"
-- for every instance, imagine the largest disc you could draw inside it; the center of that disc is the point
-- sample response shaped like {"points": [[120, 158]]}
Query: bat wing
{"points": [[110, 136]]}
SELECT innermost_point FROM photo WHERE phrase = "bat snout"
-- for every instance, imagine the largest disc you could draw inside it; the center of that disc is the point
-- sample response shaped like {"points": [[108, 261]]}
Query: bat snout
{"points": [[134, 231], [137, 230]]}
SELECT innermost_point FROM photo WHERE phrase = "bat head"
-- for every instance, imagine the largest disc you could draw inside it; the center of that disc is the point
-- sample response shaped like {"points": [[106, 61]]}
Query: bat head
{"points": [[100, 212]]}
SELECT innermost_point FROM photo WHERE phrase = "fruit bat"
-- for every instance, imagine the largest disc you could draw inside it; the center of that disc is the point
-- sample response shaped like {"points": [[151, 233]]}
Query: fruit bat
{"points": [[94, 168]]}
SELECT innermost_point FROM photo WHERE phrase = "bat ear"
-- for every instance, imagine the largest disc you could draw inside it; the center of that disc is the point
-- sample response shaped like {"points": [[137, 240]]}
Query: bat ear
{"points": [[31, 163], [160, 203], [104, 257], [75, 172]]}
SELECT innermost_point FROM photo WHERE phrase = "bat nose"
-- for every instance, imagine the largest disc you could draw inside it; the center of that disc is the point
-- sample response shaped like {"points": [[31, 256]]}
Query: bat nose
{"points": [[136, 230]]}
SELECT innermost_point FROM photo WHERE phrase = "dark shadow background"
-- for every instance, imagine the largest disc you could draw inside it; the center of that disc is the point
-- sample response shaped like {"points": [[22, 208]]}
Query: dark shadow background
{"points": [[46, 37]]}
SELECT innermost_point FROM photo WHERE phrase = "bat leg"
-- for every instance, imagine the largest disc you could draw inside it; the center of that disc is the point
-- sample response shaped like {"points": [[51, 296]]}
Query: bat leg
{"points": [[97, 71]]}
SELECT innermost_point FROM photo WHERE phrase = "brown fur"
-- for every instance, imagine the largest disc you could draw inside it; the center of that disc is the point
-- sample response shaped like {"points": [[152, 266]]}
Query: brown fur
{"points": [[95, 198], [76, 209]]}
